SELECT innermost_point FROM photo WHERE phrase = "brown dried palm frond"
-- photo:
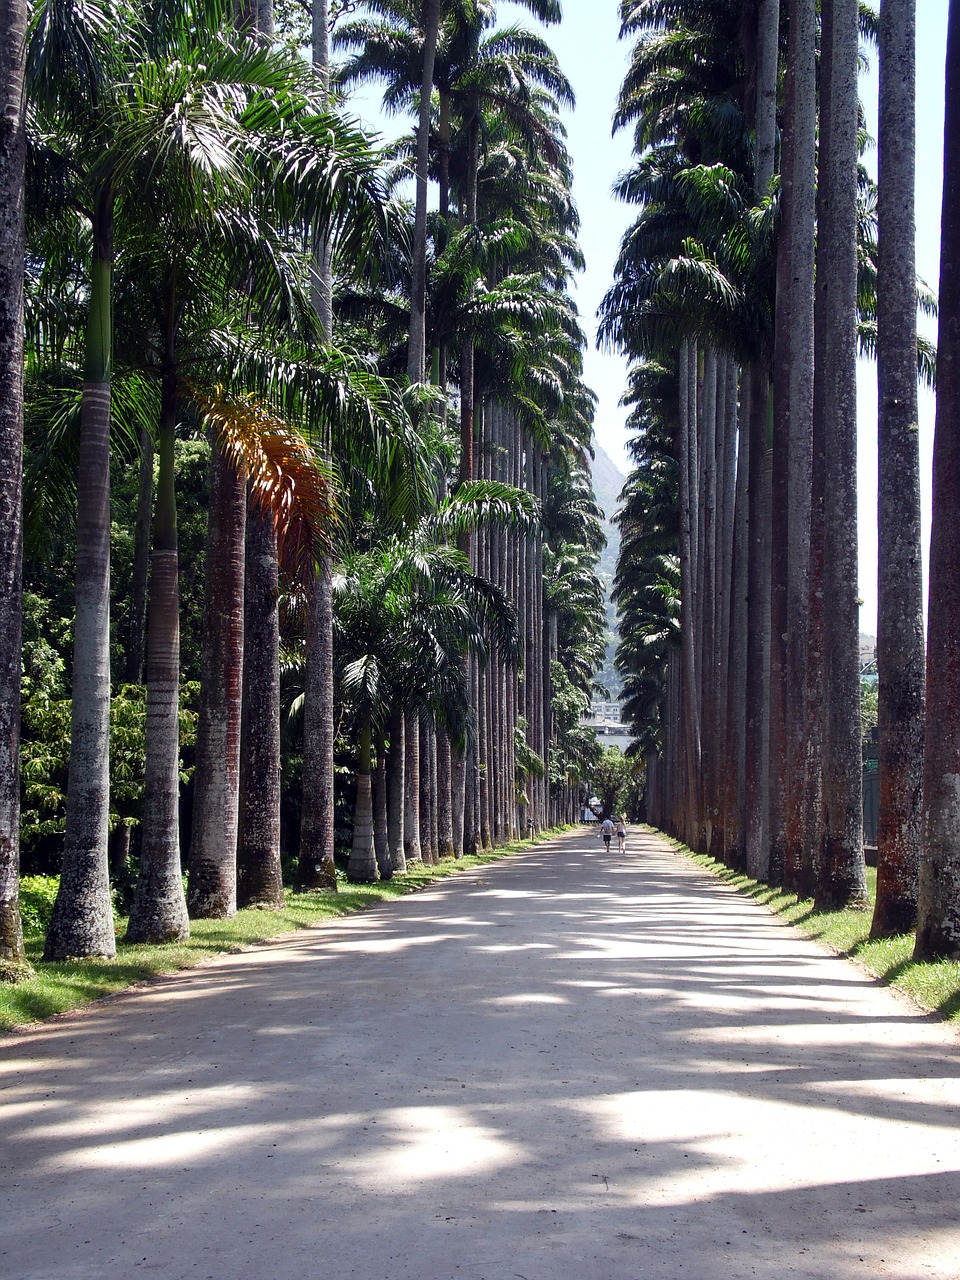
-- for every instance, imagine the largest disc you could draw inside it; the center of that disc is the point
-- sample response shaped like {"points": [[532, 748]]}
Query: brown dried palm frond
{"points": [[286, 480]]}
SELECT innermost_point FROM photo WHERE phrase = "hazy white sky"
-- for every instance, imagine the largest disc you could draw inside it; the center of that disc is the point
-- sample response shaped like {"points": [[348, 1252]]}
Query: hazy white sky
{"points": [[587, 47]]}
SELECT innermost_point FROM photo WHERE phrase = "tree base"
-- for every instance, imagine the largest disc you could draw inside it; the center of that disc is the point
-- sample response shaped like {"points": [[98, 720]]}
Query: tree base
{"points": [[14, 971]]}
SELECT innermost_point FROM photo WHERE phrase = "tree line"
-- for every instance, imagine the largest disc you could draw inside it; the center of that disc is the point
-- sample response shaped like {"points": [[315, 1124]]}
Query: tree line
{"points": [[298, 464], [762, 262]]}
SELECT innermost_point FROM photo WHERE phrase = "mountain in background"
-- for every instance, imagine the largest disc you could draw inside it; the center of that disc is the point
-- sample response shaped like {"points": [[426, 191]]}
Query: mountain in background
{"points": [[608, 480]]}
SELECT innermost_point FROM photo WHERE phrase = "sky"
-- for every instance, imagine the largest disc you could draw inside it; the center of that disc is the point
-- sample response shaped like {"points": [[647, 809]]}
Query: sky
{"points": [[587, 47]]}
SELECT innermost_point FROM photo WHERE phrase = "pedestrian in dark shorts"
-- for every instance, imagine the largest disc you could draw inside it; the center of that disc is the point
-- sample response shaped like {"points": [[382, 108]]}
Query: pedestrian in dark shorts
{"points": [[606, 830]]}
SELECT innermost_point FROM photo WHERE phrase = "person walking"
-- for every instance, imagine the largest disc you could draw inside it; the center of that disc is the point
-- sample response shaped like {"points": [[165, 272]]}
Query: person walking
{"points": [[606, 830], [621, 829]]}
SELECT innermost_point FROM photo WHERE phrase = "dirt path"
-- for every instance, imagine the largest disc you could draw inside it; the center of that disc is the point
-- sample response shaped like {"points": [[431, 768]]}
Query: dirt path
{"points": [[561, 1067]]}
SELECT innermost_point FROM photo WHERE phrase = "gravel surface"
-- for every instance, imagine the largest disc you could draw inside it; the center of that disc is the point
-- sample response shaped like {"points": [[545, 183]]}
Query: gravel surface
{"points": [[563, 1066]]}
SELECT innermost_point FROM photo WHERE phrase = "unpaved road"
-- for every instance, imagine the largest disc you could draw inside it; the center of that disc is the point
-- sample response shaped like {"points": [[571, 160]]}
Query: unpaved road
{"points": [[561, 1067]]}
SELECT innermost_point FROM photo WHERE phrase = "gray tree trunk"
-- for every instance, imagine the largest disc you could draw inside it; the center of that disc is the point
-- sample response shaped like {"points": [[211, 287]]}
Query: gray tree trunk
{"points": [[381, 837], [259, 873], [841, 880], [159, 911], [793, 442], [938, 923], [416, 351], [411, 790], [140, 575], [900, 649], [756, 773], [82, 921], [316, 868], [13, 26], [396, 792], [362, 864], [216, 796], [688, 605]]}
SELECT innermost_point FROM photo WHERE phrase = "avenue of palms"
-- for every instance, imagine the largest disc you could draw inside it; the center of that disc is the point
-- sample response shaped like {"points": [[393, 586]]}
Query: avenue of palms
{"points": [[351, 376]]}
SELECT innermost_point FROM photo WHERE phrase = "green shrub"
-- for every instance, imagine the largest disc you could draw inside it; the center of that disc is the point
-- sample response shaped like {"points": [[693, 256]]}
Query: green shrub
{"points": [[37, 896]]}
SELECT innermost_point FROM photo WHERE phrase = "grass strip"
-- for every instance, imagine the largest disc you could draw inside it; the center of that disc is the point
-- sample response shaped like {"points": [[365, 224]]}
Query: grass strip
{"points": [[58, 987], [934, 984]]}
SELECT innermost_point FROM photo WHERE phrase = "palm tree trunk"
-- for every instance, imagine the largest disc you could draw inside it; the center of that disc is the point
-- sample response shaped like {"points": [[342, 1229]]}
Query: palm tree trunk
{"points": [[140, 574], [259, 873], [756, 775], [900, 654], [381, 839], [842, 877], [445, 845], [119, 842], [688, 606], [793, 446], [708, 674], [458, 783], [416, 351], [82, 920], [427, 791], [734, 851], [362, 864], [396, 791], [159, 912], [938, 923], [411, 786], [316, 868], [216, 795], [13, 26]]}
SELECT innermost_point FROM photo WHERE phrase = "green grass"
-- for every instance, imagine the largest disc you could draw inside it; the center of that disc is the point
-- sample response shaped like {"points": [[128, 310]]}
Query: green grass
{"points": [[56, 988], [934, 984]]}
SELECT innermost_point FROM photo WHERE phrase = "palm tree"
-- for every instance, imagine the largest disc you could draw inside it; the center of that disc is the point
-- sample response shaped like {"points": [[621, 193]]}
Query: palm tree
{"points": [[407, 612], [316, 867], [793, 369], [900, 651], [204, 218], [938, 922], [13, 28], [73, 69], [841, 879]]}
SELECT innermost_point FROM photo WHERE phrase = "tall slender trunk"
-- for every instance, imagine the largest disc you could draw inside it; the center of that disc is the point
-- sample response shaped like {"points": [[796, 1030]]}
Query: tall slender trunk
{"points": [[316, 868], [842, 877], [688, 605], [938, 923], [381, 839], [119, 841], [13, 26], [362, 864], [734, 851], [396, 791], [411, 790], [900, 652], [793, 429], [140, 574], [159, 912], [259, 873], [82, 920], [458, 783], [708, 674], [756, 774], [416, 351], [445, 844], [216, 788], [427, 792]]}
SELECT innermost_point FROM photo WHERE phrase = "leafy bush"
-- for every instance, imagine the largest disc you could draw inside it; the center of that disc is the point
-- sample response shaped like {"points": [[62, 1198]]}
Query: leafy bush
{"points": [[37, 896]]}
